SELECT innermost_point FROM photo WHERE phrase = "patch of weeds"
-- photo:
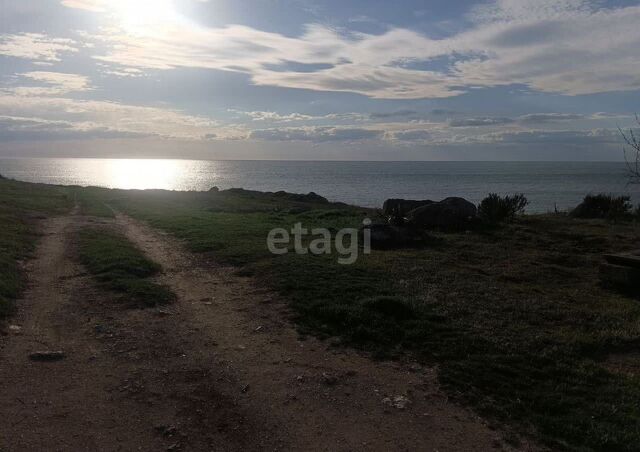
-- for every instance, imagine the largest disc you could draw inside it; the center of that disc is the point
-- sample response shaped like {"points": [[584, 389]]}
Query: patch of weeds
{"points": [[495, 209], [121, 267], [604, 206]]}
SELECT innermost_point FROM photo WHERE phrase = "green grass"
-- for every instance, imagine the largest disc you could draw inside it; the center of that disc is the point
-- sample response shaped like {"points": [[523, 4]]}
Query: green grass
{"points": [[92, 202], [514, 317], [122, 268], [21, 204]]}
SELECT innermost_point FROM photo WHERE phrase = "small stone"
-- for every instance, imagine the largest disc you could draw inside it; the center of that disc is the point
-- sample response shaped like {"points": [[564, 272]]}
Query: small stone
{"points": [[399, 402], [300, 378], [329, 379], [47, 356], [15, 329], [257, 330]]}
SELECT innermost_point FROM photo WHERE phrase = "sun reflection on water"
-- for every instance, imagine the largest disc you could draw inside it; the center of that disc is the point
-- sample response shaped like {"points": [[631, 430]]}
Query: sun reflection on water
{"points": [[143, 174]]}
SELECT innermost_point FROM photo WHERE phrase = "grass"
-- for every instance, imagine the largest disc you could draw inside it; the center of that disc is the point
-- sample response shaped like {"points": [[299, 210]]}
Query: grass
{"points": [[91, 202], [21, 204], [514, 316], [122, 268]]}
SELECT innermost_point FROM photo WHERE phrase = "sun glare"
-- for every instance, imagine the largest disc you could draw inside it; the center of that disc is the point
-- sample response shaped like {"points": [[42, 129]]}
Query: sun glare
{"points": [[142, 174], [144, 15]]}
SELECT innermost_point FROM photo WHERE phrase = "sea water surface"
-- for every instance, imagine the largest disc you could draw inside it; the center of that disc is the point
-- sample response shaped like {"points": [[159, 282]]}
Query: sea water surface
{"points": [[546, 184]]}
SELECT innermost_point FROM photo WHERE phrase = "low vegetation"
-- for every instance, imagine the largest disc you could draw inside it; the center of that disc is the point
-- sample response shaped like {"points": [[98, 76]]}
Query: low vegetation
{"points": [[604, 206], [122, 268], [21, 206], [495, 209], [514, 316]]}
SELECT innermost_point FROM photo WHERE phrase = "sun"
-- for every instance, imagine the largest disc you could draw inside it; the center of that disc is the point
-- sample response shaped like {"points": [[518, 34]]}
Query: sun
{"points": [[144, 15]]}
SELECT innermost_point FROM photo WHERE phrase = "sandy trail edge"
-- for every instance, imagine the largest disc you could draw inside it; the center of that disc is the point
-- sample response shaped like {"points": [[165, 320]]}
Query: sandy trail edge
{"points": [[70, 404], [317, 398]]}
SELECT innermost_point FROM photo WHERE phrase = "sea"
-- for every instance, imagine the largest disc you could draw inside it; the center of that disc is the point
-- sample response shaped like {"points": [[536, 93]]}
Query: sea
{"points": [[547, 185]]}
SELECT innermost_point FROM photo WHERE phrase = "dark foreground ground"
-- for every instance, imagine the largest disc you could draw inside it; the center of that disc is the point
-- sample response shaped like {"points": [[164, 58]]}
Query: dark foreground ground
{"points": [[510, 322]]}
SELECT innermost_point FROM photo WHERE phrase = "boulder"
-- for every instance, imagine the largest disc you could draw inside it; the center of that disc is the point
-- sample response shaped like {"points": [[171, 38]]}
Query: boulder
{"points": [[450, 213], [387, 236], [403, 206]]}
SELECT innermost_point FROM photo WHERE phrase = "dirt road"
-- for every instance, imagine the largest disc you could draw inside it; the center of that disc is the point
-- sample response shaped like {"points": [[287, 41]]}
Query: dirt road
{"points": [[221, 369]]}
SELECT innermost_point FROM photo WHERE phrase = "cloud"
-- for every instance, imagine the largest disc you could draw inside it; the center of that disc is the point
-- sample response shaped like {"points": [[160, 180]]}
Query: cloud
{"points": [[556, 137], [409, 135], [88, 5], [479, 122], [35, 129], [393, 114], [274, 117], [316, 134], [549, 117], [111, 118], [507, 42], [35, 46], [58, 84]]}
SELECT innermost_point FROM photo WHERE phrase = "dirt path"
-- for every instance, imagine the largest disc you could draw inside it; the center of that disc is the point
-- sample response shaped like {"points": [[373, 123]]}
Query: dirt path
{"points": [[221, 369]]}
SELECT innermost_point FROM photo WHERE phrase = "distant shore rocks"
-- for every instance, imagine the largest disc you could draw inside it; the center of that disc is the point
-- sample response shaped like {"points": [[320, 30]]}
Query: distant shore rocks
{"points": [[309, 197]]}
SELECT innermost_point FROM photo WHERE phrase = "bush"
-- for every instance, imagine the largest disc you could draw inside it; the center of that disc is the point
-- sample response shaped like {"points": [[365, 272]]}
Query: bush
{"points": [[497, 209], [603, 206]]}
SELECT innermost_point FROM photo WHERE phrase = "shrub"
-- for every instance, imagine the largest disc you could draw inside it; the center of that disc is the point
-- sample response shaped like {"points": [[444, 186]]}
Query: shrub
{"points": [[603, 206], [497, 209]]}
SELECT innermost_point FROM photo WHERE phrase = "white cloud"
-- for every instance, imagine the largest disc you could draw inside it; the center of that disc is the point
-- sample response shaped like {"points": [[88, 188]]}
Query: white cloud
{"points": [[58, 84], [549, 117], [35, 46], [417, 135], [272, 116], [560, 46], [480, 122], [316, 134], [101, 118]]}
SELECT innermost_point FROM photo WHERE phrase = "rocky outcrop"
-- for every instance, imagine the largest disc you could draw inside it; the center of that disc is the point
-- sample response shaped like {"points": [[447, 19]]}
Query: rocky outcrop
{"points": [[450, 213], [387, 236], [402, 206]]}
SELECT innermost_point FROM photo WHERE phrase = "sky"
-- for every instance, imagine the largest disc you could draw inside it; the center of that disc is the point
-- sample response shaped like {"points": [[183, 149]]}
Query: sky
{"points": [[319, 80]]}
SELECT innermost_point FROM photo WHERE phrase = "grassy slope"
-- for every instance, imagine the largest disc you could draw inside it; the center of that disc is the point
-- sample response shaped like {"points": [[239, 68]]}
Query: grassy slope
{"points": [[121, 267], [514, 317], [20, 204]]}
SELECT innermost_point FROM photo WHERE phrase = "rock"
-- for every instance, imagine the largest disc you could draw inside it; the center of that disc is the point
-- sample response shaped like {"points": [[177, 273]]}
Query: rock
{"points": [[620, 277], [387, 236], [402, 206], [450, 213], [329, 379], [15, 329], [631, 259], [399, 402], [47, 356]]}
